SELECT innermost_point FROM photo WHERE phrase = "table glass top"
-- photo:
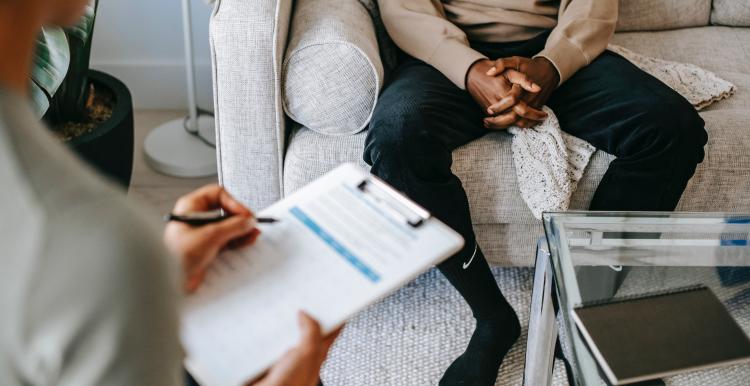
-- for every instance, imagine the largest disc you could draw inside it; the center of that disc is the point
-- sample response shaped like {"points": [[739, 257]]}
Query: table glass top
{"points": [[597, 256]]}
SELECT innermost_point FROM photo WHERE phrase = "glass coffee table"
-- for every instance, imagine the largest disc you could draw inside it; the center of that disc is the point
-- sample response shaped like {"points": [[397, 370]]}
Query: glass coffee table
{"points": [[591, 256]]}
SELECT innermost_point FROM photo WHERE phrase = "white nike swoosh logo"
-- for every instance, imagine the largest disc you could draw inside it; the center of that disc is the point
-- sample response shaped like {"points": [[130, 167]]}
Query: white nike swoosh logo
{"points": [[468, 263]]}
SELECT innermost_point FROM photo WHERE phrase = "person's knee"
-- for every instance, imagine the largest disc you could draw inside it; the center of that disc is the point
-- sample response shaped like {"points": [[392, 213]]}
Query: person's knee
{"points": [[397, 134], [688, 131], [694, 134], [673, 129]]}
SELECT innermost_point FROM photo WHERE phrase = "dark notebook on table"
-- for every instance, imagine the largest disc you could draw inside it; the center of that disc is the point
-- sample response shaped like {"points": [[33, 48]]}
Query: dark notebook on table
{"points": [[654, 336]]}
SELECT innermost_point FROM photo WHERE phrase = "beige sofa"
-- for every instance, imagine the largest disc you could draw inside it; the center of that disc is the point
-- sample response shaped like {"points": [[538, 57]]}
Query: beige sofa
{"points": [[324, 62]]}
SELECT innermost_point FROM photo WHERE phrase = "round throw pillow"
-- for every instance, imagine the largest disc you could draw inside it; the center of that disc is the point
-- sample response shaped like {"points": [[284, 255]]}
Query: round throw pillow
{"points": [[332, 72]]}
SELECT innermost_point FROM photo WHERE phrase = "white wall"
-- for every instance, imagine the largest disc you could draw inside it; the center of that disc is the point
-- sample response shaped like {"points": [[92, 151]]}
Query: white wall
{"points": [[140, 42]]}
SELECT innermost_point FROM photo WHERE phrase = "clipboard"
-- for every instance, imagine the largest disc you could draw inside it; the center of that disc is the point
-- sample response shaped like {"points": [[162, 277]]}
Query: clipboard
{"points": [[393, 202], [343, 242]]}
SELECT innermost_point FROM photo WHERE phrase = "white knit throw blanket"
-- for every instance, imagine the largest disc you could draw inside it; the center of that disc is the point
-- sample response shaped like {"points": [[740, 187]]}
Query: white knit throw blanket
{"points": [[549, 162]]}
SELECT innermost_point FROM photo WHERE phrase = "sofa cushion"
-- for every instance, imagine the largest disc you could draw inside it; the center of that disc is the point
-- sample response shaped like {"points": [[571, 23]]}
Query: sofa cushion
{"points": [[722, 182], [718, 49], [332, 72], [731, 12], [723, 50], [656, 15]]}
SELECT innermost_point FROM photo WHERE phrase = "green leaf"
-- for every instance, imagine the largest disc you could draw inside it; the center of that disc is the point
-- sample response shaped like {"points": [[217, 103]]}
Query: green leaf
{"points": [[51, 61], [85, 27], [69, 102], [40, 100]]}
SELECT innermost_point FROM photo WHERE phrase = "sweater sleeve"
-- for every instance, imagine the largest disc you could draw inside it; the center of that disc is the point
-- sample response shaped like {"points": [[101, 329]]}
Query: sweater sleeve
{"points": [[420, 28], [583, 30], [104, 305]]}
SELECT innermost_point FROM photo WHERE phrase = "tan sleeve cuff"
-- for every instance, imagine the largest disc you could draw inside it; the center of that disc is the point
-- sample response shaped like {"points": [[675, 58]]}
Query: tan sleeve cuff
{"points": [[453, 59], [566, 56]]}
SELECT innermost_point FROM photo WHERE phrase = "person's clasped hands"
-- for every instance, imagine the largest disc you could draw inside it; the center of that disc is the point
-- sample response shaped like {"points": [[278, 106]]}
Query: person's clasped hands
{"points": [[512, 91]]}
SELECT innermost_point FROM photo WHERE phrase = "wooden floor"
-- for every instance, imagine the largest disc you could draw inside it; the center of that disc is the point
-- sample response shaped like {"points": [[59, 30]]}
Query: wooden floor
{"points": [[157, 192]]}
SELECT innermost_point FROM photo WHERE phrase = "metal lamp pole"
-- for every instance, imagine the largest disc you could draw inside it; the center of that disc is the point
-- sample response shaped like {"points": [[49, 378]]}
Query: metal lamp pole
{"points": [[184, 147]]}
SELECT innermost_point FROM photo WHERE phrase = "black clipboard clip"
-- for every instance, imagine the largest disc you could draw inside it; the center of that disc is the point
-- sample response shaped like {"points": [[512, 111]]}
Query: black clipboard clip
{"points": [[393, 202]]}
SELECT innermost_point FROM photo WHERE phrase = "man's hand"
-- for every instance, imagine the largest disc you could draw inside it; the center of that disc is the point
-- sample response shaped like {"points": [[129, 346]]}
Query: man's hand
{"points": [[198, 247], [496, 94], [539, 71], [300, 366]]}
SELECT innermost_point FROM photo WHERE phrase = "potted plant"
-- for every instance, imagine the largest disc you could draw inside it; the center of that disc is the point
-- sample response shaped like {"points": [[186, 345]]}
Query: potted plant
{"points": [[89, 110]]}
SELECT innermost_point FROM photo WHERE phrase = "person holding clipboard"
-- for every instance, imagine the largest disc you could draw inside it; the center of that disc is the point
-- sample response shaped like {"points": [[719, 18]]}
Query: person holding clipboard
{"points": [[87, 295], [198, 242]]}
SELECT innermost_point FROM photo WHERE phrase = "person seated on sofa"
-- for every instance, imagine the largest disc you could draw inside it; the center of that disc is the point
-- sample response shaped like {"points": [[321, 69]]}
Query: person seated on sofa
{"points": [[87, 293], [471, 67]]}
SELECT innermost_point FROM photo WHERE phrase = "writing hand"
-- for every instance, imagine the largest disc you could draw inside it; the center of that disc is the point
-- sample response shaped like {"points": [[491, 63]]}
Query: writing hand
{"points": [[197, 247]]}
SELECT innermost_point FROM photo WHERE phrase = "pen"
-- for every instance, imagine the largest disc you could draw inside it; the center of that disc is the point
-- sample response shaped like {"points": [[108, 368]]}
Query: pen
{"points": [[203, 218]]}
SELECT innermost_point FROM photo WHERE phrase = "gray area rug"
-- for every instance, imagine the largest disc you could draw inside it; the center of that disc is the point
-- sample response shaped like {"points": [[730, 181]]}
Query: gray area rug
{"points": [[411, 337]]}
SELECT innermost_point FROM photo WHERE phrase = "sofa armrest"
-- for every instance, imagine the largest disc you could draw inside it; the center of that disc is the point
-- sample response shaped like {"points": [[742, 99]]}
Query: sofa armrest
{"points": [[248, 39]]}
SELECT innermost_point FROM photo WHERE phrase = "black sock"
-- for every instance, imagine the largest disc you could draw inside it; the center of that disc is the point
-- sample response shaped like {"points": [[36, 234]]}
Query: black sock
{"points": [[479, 364], [497, 326]]}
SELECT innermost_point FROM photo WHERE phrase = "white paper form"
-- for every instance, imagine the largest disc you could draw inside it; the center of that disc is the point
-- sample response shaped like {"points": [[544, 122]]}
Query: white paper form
{"points": [[335, 251]]}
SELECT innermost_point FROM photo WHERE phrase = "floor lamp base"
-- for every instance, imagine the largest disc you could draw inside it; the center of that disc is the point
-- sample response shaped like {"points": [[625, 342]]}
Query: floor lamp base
{"points": [[170, 150]]}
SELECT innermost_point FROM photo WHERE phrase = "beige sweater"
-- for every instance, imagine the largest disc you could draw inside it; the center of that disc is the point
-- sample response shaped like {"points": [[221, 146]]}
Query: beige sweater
{"points": [[438, 32]]}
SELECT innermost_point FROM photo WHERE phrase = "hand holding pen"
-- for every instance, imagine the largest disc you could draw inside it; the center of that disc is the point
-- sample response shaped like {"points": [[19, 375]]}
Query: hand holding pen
{"points": [[197, 239]]}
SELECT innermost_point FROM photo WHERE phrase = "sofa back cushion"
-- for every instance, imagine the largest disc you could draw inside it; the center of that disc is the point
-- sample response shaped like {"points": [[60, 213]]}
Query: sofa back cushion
{"points": [[731, 12], [656, 15], [332, 72]]}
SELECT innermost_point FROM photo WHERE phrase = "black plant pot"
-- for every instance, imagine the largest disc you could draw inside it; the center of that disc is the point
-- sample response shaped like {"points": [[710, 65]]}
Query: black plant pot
{"points": [[109, 146]]}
